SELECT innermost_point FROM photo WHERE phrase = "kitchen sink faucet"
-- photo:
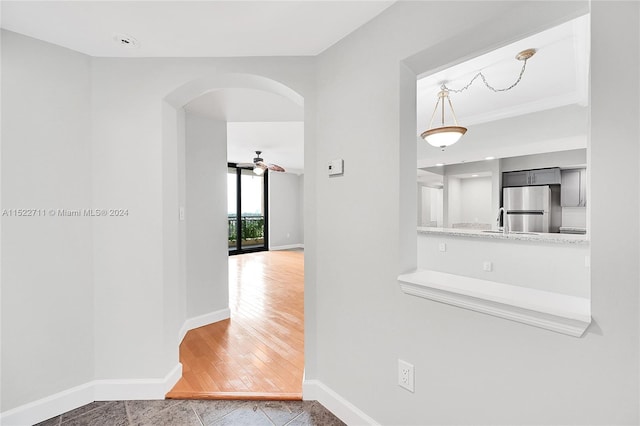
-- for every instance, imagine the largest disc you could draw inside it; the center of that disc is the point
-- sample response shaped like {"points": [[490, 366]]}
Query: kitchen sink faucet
{"points": [[505, 225]]}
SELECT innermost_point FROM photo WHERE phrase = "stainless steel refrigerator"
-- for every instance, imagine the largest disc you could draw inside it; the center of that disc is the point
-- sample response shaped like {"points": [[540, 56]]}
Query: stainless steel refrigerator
{"points": [[529, 209]]}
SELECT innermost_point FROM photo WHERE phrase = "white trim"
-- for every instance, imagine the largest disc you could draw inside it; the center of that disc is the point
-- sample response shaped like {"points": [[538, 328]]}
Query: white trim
{"points": [[136, 389], [343, 409], [552, 311], [287, 247], [50, 406], [96, 390], [202, 320]]}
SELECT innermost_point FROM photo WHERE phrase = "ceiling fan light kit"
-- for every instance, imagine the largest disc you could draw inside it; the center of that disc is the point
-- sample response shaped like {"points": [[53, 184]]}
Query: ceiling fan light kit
{"points": [[445, 136], [259, 166]]}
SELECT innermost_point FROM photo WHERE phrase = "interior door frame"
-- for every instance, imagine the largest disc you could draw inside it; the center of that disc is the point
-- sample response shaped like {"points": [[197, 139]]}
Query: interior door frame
{"points": [[265, 180]]}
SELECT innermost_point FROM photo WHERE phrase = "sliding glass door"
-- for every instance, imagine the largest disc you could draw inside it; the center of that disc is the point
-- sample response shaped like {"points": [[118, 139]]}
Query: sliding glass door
{"points": [[247, 210]]}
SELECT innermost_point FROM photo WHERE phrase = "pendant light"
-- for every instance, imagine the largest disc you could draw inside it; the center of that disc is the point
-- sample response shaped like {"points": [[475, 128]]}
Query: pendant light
{"points": [[445, 136]]}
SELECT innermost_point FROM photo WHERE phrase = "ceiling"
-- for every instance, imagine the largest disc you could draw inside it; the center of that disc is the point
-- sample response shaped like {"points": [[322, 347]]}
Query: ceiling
{"points": [[257, 120], [556, 77], [191, 28], [281, 143]]}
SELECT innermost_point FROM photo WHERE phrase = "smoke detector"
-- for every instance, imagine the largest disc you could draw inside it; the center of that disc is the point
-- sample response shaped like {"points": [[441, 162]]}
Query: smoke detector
{"points": [[125, 41]]}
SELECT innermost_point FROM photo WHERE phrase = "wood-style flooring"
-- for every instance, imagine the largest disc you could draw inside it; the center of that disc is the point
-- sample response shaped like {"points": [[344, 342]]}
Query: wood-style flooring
{"points": [[259, 352]]}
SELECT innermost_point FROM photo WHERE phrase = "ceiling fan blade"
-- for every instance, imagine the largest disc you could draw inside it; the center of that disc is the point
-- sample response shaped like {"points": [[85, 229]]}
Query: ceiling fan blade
{"points": [[261, 165], [275, 168], [245, 165]]}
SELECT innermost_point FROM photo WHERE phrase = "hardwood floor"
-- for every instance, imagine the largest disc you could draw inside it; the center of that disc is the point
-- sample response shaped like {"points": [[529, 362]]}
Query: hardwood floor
{"points": [[259, 352]]}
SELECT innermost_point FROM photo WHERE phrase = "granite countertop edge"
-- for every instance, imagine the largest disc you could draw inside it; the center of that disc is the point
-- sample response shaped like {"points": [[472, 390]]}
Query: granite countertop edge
{"points": [[537, 237]]}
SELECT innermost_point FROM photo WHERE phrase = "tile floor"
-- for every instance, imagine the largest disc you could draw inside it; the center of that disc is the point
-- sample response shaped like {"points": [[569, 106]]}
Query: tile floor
{"points": [[173, 412]]}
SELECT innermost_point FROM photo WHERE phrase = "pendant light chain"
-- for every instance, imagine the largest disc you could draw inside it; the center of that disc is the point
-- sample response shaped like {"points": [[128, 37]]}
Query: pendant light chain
{"points": [[448, 135], [484, 80]]}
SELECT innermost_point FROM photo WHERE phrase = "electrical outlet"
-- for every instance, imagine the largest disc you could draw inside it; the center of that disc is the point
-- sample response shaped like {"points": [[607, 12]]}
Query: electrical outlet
{"points": [[405, 375], [442, 247], [487, 266]]}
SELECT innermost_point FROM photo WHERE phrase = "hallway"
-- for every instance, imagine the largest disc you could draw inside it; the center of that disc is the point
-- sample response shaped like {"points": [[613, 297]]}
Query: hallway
{"points": [[259, 352]]}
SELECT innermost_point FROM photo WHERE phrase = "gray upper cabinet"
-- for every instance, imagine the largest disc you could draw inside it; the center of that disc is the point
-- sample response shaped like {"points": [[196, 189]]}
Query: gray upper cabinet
{"points": [[515, 178], [544, 177], [531, 177], [573, 189]]}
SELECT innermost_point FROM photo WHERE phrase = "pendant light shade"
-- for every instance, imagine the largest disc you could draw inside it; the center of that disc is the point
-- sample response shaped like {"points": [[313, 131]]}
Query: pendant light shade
{"points": [[442, 137]]}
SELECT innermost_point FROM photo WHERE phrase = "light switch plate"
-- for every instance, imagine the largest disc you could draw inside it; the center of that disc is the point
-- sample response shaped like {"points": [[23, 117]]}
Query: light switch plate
{"points": [[442, 247], [336, 167]]}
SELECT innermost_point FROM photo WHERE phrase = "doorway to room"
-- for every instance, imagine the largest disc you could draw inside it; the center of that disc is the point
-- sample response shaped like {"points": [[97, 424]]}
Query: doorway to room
{"points": [[247, 207], [244, 328]]}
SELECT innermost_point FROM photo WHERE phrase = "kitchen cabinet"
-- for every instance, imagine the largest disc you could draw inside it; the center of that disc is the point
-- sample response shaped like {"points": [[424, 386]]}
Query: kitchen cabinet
{"points": [[573, 188], [544, 176], [531, 177], [515, 178]]}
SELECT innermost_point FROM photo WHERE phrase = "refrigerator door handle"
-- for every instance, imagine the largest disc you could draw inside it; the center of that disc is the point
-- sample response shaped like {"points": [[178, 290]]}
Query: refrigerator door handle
{"points": [[538, 212]]}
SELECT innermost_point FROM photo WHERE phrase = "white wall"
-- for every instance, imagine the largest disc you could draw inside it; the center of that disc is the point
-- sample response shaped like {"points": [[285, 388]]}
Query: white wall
{"points": [[436, 206], [493, 198], [574, 217], [475, 200], [285, 210], [453, 195], [430, 208], [424, 205], [469, 368], [552, 267], [47, 292], [207, 286]]}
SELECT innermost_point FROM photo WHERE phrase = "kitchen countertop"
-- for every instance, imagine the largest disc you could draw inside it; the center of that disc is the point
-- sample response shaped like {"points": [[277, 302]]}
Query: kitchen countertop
{"points": [[495, 235]]}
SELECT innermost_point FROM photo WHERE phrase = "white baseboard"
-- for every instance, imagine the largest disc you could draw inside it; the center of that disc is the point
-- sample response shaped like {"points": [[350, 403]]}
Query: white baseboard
{"points": [[96, 390], [343, 409], [136, 389], [202, 320], [287, 247], [50, 406]]}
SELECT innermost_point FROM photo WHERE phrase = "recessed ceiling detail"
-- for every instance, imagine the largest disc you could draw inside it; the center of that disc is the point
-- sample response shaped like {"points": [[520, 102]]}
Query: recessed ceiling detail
{"points": [[125, 41], [557, 76], [546, 112]]}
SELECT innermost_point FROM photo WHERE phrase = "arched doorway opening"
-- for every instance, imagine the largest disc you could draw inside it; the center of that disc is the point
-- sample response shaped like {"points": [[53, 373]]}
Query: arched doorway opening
{"points": [[201, 238]]}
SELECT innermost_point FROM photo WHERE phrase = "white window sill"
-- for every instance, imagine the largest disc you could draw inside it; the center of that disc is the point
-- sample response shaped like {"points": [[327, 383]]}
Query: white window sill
{"points": [[552, 311]]}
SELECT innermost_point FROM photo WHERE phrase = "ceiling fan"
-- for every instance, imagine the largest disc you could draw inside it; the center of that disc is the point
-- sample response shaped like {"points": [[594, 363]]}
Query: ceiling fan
{"points": [[259, 166]]}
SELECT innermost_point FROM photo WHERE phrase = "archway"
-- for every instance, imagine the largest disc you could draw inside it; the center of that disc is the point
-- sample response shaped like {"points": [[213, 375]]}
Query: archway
{"points": [[197, 301]]}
